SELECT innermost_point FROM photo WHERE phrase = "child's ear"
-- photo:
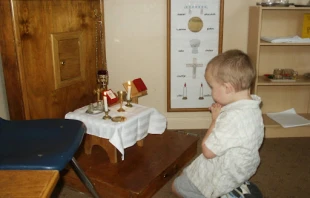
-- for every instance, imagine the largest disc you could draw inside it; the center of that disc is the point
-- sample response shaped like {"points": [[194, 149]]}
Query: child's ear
{"points": [[229, 88]]}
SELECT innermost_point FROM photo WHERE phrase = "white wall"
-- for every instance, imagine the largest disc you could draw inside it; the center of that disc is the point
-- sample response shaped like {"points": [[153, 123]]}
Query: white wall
{"points": [[136, 45], [4, 111]]}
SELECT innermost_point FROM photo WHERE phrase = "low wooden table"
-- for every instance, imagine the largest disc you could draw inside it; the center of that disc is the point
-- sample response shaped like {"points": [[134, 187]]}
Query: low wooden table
{"points": [[27, 183], [116, 136], [144, 171]]}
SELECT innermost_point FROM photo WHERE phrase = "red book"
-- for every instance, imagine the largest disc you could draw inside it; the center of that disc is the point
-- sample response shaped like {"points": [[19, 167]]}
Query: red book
{"points": [[139, 84], [111, 97]]}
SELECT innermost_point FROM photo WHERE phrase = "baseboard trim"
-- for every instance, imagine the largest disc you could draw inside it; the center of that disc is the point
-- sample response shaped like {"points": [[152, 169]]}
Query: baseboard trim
{"points": [[189, 123], [280, 132], [204, 123]]}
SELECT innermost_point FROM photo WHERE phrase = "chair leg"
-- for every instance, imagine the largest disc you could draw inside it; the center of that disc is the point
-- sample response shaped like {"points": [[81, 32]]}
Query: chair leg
{"points": [[81, 174]]}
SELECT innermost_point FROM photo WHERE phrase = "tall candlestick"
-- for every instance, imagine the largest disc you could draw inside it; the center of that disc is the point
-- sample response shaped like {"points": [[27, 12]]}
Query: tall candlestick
{"points": [[120, 96], [129, 91], [105, 101]]}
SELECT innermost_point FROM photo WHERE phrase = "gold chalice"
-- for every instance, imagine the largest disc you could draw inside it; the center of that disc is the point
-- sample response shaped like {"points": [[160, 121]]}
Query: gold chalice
{"points": [[121, 95]]}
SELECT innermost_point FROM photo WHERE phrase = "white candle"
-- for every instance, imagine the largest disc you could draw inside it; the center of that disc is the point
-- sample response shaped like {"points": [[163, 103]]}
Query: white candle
{"points": [[105, 101], [184, 90], [129, 91]]}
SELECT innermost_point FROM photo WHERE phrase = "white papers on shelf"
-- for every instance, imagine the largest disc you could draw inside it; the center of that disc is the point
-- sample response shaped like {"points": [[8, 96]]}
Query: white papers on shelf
{"points": [[289, 118], [293, 39], [282, 80]]}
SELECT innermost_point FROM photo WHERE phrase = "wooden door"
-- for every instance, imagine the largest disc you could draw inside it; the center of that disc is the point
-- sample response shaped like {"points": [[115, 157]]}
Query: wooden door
{"points": [[48, 53]]}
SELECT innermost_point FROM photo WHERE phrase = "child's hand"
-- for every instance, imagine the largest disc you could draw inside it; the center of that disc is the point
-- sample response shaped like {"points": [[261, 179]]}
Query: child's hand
{"points": [[215, 110]]}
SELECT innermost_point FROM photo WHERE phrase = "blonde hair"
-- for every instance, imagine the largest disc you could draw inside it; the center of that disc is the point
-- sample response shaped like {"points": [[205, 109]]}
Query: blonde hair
{"points": [[234, 67]]}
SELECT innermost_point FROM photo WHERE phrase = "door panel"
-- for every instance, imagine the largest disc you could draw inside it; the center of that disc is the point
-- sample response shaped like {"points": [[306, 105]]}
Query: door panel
{"points": [[34, 23]]}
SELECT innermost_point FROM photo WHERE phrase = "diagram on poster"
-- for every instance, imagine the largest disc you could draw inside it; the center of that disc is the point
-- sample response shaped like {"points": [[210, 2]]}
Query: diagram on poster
{"points": [[194, 38]]}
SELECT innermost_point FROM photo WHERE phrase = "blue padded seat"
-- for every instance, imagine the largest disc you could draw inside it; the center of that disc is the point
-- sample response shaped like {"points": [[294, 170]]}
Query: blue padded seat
{"points": [[39, 144], [43, 144]]}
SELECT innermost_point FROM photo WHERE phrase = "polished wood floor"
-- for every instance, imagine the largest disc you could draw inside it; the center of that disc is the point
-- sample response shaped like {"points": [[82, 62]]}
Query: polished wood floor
{"points": [[143, 172], [283, 172]]}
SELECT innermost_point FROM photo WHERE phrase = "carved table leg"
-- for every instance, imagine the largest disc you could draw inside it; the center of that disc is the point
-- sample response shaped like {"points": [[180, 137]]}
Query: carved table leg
{"points": [[88, 144], [140, 143]]}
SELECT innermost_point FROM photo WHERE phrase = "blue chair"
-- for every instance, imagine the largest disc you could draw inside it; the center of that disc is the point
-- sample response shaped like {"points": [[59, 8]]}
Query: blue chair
{"points": [[44, 144]]}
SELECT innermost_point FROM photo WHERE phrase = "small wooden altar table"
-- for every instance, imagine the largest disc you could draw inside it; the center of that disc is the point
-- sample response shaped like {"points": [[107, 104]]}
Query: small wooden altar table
{"points": [[27, 183], [116, 136]]}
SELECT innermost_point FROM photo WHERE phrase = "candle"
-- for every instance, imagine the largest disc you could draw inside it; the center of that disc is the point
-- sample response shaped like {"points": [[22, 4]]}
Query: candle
{"points": [[105, 101], [129, 91], [184, 90]]}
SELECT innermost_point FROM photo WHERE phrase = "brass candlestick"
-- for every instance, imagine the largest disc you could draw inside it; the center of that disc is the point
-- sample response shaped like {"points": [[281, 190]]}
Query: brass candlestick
{"points": [[128, 103], [106, 116], [98, 92], [121, 95]]}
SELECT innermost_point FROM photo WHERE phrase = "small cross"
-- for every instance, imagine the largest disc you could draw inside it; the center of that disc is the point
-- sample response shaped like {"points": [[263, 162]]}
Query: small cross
{"points": [[194, 65]]}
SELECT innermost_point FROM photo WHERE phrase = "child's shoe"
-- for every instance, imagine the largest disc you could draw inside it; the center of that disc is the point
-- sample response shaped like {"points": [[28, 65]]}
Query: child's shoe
{"points": [[246, 190]]}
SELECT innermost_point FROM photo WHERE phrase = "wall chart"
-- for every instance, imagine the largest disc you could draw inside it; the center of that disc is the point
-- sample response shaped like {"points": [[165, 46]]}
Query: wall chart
{"points": [[195, 31]]}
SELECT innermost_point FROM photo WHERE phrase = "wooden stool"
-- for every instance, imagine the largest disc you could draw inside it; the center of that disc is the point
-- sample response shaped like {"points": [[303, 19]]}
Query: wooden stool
{"points": [[91, 140]]}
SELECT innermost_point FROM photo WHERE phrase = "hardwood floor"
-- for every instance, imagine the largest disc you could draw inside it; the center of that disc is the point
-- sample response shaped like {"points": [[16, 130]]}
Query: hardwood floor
{"points": [[283, 172], [144, 171]]}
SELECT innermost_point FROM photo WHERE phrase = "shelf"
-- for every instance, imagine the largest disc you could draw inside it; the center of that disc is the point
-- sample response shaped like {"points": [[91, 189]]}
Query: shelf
{"points": [[284, 8], [271, 123], [265, 43], [275, 130], [301, 81], [266, 56]]}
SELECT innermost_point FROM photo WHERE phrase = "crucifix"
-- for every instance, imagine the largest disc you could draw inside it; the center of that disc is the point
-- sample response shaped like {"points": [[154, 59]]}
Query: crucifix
{"points": [[194, 65]]}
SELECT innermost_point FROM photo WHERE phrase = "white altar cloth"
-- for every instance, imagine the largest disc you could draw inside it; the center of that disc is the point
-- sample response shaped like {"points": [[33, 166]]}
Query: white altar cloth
{"points": [[140, 121]]}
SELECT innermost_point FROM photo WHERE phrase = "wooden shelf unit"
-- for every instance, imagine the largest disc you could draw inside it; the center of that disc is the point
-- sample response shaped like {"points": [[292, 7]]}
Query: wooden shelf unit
{"points": [[280, 96], [262, 80]]}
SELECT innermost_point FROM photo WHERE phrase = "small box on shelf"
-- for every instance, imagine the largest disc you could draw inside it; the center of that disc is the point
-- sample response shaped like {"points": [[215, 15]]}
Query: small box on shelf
{"points": [[306, 26]]}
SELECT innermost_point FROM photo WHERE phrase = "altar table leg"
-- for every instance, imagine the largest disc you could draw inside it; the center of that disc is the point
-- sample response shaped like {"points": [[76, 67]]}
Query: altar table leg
{"points": [[140, 143], [91, 140]]}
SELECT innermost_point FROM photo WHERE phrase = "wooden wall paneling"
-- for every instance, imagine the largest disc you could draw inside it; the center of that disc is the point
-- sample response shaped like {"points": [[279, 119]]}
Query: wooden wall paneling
{"points": [[10, 63], [274, 18], [272, 57], [30, 83], [280, 98]]}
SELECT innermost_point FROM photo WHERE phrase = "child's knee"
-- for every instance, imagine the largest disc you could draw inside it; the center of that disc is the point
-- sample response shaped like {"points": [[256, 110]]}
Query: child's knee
{"points": [[173, 188]]}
